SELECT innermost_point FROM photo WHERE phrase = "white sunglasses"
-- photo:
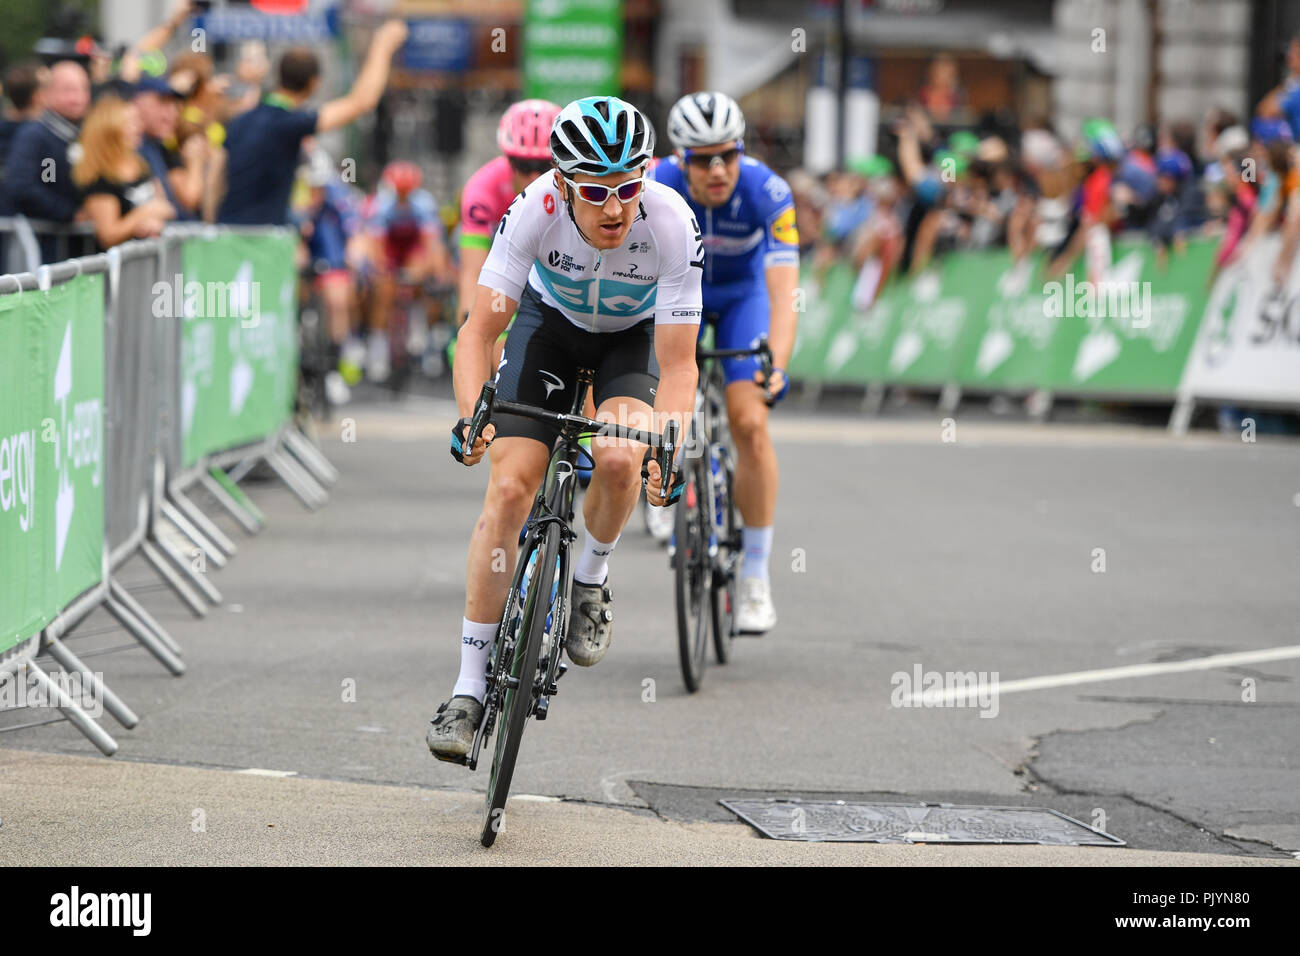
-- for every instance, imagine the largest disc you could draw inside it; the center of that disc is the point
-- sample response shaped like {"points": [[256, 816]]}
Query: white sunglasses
{"points": [[598, 195]]}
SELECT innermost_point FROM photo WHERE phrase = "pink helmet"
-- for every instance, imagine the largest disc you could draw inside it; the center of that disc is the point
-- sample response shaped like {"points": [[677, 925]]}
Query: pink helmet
{"points": [[525, 130]]}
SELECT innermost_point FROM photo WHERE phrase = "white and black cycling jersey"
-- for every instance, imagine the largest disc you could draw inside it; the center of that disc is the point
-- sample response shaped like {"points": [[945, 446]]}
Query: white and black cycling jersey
{"points": [[655, 271]]}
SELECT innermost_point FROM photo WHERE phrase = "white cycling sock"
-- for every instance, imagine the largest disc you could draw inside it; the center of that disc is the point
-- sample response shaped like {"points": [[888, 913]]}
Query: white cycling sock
{"points": [[475, 643], [758, 550], [593, 562]]}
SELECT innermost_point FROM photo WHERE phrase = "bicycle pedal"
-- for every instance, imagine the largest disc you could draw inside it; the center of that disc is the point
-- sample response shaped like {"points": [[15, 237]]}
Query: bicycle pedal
{"points": [[542, 707], [462, 760]]}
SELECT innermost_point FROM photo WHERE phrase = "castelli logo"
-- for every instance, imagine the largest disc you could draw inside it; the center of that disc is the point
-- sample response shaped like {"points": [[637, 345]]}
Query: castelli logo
{"points": [[549, 203]]}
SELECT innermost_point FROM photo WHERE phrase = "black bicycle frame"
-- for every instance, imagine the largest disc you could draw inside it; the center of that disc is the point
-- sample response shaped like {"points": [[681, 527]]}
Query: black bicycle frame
{"points": [[554, 505]]}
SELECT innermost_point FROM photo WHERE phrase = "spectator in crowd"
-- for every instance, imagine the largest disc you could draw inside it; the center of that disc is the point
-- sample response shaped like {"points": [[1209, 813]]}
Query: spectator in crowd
{"points": [[1283, 102], [877, 245], [810, 201], [131, 66], [38, 171], [205, 110], [122, 197], [1236, 195], [941, 95], [251, 73], [1095, 213], [926, 182], [23, 102], [262, 145], [1134, 190], [178, 167], [1177, 204]]}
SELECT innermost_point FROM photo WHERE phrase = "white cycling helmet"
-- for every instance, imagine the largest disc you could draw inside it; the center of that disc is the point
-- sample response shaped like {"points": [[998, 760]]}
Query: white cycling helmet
{"points": [[705, 119], [600, 135]]}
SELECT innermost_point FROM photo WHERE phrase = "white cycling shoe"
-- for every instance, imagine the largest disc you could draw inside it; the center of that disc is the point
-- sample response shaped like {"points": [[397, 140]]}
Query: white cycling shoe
{"points": [[756, 614]]}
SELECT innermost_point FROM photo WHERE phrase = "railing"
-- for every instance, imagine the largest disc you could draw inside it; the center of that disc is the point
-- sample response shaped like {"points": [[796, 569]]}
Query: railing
{"points": [[1153, 329], [128, 378]]}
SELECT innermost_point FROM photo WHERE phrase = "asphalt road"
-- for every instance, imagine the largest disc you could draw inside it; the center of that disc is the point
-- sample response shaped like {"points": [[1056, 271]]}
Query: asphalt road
{"points": [[896, 552]]}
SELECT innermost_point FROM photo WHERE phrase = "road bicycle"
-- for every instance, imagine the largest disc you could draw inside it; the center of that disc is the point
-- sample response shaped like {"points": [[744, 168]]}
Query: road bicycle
{"points": [[706, 548], [525, 664]]}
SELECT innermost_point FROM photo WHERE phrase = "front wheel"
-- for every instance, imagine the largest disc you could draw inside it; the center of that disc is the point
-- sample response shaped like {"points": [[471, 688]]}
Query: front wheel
{"points": [[515, 667], [693, 575]]}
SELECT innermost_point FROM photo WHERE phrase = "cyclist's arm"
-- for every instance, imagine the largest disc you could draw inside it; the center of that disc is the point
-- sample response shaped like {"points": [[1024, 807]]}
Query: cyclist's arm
{"points": [[780, 268], [502, 280], [487, 320], [675, 394], [369, 86], [678, 309], [782, 281]]}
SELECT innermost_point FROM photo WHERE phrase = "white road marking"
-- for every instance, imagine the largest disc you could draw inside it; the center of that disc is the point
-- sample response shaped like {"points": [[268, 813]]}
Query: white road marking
{"points": [[534, 798], [1119, 673], [259, 772]]}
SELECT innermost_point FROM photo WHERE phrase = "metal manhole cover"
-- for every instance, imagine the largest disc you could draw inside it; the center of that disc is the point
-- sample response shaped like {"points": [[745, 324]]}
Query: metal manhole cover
{"points": [[839, 821]]}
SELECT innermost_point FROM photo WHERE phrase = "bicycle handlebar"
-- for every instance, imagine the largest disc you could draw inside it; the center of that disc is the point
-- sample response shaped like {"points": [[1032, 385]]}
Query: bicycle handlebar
{"points": [[487, 405], [763, 350]]}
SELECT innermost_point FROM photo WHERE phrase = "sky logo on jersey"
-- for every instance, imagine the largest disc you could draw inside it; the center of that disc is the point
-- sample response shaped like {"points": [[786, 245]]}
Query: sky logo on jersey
{"points": [[784, 230]]}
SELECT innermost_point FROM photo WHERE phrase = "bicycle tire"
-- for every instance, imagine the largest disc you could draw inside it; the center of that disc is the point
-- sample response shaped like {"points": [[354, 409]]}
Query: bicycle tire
{"points": [[692, 577], [517, 702], [724, 592]]}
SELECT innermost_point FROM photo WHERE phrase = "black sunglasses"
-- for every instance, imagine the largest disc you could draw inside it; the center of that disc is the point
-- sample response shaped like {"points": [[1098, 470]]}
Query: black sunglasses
{"points": [[705, 160], [529, 167]]}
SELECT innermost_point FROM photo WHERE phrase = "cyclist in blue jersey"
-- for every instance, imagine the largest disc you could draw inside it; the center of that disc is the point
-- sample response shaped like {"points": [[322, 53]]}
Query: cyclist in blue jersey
{"points": [[751, 271]]}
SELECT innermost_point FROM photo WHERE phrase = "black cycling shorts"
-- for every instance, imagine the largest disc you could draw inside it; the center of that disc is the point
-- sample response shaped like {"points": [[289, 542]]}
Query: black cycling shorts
{"points": [[543, 352]]}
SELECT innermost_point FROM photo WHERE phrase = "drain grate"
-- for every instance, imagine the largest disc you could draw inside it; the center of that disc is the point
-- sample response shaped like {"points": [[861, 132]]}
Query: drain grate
{"points": [[839, 821]]}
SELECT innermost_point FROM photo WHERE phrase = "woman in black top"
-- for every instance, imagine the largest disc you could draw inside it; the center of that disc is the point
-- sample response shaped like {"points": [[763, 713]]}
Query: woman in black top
{"points": [[120, 194]]}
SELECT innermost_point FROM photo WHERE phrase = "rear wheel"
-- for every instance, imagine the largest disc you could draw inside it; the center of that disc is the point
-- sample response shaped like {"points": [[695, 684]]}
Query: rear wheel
{"points": [[723, 594], [516, 673], [693, 575]]}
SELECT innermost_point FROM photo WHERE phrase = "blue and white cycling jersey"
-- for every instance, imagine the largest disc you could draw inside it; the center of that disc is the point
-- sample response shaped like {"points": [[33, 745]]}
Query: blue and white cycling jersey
{"points": [[751, 231]]}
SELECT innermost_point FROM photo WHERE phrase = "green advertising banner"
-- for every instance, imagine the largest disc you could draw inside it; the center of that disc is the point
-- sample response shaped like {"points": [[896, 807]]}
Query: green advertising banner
{"points": [[51, 452], [1134, 331], [982, 321], [826, 307], [239, 343], [1009, 337], [572, 49]]}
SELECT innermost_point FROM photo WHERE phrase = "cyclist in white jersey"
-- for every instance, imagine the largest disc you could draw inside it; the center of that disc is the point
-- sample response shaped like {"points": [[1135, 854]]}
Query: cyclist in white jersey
{"points": [[604, 268]]}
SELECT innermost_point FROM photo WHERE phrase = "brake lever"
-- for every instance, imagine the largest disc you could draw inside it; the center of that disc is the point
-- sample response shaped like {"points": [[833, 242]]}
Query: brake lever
{"points": [[765, 360], [666, 455], [482, 413]]}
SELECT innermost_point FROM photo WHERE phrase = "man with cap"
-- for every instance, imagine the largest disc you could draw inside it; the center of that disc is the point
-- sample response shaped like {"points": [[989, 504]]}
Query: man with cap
{"points": [[179, 169]]}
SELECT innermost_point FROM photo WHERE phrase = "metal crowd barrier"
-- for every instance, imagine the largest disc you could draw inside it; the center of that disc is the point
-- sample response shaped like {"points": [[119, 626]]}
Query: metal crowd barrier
{"points": [[149, 457], [21, 241]]}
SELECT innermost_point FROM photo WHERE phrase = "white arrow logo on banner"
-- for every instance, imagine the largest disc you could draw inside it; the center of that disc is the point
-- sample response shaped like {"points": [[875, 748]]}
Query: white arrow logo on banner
{"points": [[995, 347], [241, 383], [1096, 351], [907, 349], [841, 350], [67, 497], [1101, 346]]}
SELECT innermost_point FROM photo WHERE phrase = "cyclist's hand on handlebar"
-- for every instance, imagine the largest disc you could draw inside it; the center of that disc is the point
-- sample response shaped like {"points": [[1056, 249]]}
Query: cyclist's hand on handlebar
{"points": [[460, 432], [651, 479], [776, 386]]}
